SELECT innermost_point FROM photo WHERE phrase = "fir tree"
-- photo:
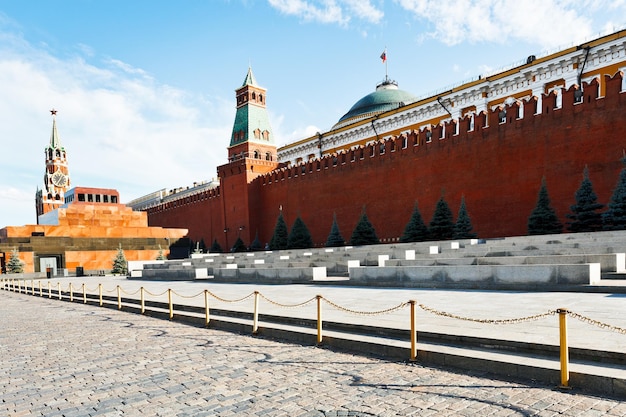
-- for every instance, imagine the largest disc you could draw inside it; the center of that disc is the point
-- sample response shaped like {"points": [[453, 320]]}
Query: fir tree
{"points": [[415, 230], [463, 226], [585, 217], [543, 219], [256, 244], [364, 233], [281, 235], [15, 265], [334, 237], [215, 247], [615, 217], [160, 256], [441, 226], [120, 266], [239, 246], [299, 237]]}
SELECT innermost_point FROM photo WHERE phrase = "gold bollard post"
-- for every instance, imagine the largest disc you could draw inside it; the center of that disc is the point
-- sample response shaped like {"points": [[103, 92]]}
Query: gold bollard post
{"points": [[169, 300], [119, 298], [319, 319], [564, 351], [255, 321], [71, 293], [59, 289], [100, 293], [84, 294], [413, 332], [206, 308], [143, 304]]}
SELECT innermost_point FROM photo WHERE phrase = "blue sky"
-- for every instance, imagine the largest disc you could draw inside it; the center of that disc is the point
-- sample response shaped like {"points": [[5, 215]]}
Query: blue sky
{"points": [[145, 89]]}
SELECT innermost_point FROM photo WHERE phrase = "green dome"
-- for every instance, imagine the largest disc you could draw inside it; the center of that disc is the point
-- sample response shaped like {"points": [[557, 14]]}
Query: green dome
{"points": [[386, 97]]}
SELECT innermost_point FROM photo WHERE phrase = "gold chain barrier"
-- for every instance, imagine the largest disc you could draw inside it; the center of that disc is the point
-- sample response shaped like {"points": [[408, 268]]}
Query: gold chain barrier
{"points": [[488, 321], [11, 284]]}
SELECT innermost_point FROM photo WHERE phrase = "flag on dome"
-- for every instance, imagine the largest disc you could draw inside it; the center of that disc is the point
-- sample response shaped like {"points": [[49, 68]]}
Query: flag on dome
{"points": [[383, 56]]}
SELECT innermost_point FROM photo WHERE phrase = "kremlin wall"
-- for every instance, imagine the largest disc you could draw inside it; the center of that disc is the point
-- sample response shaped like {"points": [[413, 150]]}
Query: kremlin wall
{"points": [[495, 158]]}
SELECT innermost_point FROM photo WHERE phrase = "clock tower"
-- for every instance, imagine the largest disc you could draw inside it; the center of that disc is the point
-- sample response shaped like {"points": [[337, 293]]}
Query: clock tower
{"points": [[56, 180]]}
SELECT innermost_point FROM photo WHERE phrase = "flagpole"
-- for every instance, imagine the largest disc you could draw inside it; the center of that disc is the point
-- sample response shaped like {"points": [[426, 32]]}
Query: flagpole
{"points": [[383, 56]]}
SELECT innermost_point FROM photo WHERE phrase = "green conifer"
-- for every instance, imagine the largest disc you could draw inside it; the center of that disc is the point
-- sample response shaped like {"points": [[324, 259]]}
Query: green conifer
{"points": [[415, 230], [215, 247], [120, 266], [299, 237], [281, 235], [463, 226], [256, 244], [543, 219], [239, 246], [364, 232], [15, 265], [334, 237], [585, 216], [615, 216], [160, 256], [441, 226]]}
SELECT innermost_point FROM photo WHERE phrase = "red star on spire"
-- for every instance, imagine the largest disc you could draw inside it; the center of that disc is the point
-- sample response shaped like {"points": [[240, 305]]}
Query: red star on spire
{"points": [[53, 112]]}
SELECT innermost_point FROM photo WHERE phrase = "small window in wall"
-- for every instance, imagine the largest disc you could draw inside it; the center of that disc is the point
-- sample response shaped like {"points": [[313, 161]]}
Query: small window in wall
{"points": [[257, 133], [81, 197], [257, 155], [268, 156], [90, 198], [105, 198], [114, 199], [97, 198]]}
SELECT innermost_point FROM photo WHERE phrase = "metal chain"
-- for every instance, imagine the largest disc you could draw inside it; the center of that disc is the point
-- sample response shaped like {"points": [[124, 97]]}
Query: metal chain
{"points": [[488, 321], [230, 301], [154, 295], [288, 305], [128, 293], [187, 296], [365, 313], [596, 322]]}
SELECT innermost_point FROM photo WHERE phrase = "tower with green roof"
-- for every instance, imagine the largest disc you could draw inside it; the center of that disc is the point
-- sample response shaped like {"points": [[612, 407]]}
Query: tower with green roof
{"points": [[252, 135], [252, 152]]}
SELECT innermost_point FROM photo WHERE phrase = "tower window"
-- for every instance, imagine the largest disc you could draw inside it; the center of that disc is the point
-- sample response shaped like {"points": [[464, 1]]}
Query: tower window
{"points": [[268, 156], [81, 197]]}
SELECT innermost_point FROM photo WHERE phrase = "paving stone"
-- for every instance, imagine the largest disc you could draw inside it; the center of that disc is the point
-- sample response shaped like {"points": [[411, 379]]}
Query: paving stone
{"points": [[132, 365]]}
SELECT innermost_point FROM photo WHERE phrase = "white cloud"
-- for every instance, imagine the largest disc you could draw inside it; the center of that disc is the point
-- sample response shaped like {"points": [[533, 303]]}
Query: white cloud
{"points": [[329, 11], [121, 128], [548, 23]]}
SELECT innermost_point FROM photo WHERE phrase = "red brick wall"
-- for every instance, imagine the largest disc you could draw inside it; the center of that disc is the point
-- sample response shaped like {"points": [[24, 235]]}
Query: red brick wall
{"points": [[497, 168]]}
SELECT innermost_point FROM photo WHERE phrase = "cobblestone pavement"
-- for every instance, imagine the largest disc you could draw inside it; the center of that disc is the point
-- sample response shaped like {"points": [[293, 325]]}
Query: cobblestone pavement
{"points": [[70, 359]]}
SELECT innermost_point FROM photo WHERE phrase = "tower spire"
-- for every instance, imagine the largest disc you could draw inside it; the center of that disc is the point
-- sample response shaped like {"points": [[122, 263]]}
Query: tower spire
{"points": [[55, 142]]}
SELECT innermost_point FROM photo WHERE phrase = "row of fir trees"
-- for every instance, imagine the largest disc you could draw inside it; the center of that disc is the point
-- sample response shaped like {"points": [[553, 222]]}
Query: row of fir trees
{"points": [[441, 227], [585, 214]]}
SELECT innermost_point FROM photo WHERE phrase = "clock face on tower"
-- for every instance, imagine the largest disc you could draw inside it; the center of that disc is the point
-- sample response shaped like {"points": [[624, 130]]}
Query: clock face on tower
{"points": [[59, 179]]}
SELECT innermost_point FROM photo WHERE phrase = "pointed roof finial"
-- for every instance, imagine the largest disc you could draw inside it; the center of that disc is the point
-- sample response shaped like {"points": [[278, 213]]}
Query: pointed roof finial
{"points": [[250, 80], [55, 142]]}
